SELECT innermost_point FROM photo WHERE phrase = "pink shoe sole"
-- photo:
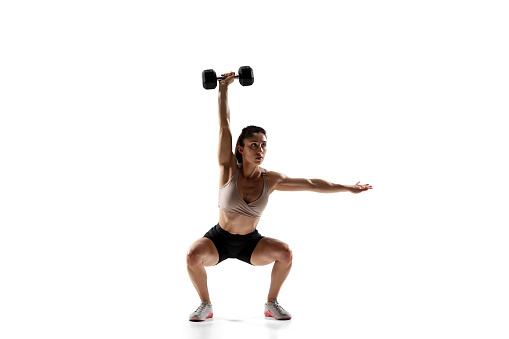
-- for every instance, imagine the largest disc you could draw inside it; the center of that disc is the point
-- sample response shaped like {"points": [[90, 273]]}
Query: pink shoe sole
{"points": [[270, 314], [210, 315]]}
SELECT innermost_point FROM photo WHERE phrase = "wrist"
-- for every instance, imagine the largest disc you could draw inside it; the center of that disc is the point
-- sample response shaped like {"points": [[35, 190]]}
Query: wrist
{"points": [[343, 188], [349, 188]]}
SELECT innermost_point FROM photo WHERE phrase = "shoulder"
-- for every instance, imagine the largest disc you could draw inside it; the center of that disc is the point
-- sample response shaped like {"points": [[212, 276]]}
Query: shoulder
{"points": [[275, 175], [274, 178]]}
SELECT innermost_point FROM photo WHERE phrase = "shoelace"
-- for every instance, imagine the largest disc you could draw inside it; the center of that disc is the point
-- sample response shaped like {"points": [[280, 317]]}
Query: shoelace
{"points": [[277, 306], [201, 307]]}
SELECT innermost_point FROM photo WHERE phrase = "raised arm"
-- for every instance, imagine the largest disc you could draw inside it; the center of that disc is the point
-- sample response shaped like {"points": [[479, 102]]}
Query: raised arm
{"points": [[285, 183], [225, 153]]}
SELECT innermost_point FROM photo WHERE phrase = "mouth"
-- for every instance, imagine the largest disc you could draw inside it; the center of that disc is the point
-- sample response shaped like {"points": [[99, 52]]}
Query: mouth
{"points": [[259, 158]]}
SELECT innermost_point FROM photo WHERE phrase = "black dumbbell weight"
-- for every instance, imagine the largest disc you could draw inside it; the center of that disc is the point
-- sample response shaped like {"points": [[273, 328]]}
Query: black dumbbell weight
{"points": [[209, 78]]}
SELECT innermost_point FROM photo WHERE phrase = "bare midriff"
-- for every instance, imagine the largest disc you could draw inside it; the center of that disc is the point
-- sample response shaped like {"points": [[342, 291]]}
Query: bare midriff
{"points": [[237, 223]]}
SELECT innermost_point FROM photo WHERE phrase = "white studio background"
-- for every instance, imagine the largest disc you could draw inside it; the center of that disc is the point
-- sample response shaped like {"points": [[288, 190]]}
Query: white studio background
{"points": [[108, 168]]}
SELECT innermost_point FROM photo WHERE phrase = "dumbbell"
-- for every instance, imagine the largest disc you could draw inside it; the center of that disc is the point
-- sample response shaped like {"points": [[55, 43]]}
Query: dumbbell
{"points": [[209, 78]]}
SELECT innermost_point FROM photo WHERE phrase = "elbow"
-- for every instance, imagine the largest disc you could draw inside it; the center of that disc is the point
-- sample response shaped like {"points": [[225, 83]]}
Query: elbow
{"points": [[316, 185]]}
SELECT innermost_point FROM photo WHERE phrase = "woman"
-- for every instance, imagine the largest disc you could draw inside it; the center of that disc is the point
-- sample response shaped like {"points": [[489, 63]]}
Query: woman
{"points": [[243, 195]]}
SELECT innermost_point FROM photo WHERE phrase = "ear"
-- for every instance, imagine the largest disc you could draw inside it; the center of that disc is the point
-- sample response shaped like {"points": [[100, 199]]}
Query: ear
{"points": [[239, 148]]}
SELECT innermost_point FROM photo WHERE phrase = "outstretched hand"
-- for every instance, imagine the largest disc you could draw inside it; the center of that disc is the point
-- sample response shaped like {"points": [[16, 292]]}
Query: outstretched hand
{"points": [[229, 79], [360, 188]]}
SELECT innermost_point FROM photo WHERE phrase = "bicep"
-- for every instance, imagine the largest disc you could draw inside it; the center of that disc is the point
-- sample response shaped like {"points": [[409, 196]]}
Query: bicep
{"points": [[286, 183], [225, 153]]}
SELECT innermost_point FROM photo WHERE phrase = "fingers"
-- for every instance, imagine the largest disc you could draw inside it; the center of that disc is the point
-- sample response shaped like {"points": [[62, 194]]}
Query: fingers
{"points": [[228, 78], [362, 188]]}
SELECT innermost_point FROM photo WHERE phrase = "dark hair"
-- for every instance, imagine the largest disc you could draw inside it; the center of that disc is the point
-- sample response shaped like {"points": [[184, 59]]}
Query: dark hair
{"points": [[246, 133]]}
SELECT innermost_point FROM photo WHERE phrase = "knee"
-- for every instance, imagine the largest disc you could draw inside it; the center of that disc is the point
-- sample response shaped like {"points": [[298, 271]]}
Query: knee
{"points": [[285, 254], [194, 258]]}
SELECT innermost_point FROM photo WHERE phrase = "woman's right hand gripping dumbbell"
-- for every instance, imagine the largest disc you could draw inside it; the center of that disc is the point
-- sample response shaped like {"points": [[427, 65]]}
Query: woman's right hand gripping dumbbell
{"points": [[229, 77]]}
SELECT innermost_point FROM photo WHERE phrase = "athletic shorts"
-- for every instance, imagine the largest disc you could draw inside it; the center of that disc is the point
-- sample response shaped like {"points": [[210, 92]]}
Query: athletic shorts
{"points": [[233, 245]]}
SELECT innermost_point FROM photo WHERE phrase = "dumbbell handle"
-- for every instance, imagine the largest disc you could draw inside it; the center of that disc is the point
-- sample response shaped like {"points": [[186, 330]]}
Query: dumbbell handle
{"points": [[222, 78]]}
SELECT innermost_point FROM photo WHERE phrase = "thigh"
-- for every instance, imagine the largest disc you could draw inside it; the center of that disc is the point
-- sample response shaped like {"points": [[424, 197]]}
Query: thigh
{"points": [[267, 251], [205, 249]]}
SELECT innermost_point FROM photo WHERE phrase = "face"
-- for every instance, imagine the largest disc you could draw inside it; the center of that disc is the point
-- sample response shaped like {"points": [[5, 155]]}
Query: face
{"points": [[254, 148]]}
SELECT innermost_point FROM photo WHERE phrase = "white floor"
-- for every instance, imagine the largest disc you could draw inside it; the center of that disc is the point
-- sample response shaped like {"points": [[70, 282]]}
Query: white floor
{"points": [[239, 327]]}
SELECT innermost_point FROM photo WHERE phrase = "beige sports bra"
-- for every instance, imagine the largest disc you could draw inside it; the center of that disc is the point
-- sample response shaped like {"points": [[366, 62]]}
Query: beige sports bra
{"points": [[230, 199]]}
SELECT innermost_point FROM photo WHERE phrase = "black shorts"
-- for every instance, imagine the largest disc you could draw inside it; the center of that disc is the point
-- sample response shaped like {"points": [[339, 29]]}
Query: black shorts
{"points": [[233, 245]]}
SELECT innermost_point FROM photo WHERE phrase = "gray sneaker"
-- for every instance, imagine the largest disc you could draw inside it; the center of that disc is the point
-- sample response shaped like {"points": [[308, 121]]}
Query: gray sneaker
{"points": [[273, 309], [204, 311]]}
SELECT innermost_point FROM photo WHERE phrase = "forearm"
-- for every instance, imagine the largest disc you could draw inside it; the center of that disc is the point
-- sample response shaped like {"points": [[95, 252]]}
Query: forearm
{"points": [[224, 110], [322, 186]]}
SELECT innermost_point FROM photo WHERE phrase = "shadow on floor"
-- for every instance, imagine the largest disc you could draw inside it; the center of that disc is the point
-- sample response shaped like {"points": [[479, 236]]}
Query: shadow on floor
{"points": [[222, 327]]}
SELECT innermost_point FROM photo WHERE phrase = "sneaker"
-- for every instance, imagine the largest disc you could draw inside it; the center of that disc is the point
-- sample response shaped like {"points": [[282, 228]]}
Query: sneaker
{"points": [[204, 311], [273, 309]]}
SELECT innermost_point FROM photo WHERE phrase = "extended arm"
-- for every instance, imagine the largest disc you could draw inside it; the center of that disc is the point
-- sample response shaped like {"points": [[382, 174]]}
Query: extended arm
{"points": [[224, 110], [285, 183], [225, 137]]}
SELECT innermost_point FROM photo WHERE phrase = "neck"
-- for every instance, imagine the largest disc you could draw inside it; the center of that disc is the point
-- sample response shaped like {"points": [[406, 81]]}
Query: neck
{"points": [[250, 171]]}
